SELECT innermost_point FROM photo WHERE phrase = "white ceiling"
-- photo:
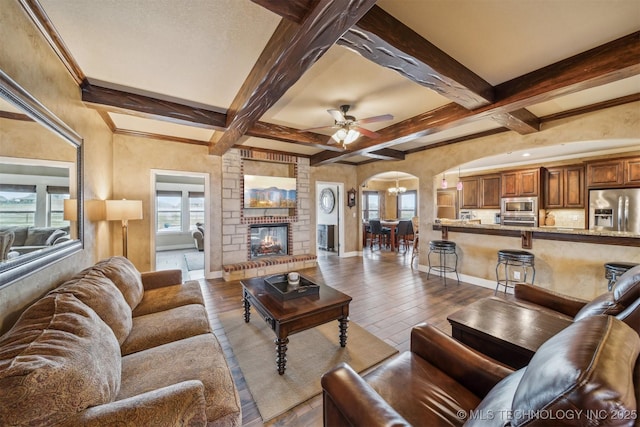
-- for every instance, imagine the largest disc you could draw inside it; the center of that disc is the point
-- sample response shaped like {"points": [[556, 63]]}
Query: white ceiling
{"points": [[200, 52]]}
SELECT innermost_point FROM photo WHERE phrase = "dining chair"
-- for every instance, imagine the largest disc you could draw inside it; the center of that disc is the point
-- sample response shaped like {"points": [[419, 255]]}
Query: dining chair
{"points": [[379, 233], [404, 235]]}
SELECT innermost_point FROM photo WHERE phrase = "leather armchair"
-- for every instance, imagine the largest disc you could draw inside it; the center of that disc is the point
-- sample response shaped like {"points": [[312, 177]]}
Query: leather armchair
{"points": [[585, 370], [623, 301]]}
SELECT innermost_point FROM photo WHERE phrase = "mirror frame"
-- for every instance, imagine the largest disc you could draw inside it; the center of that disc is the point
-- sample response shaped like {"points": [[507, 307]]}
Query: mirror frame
{"points": [[26, 264]]}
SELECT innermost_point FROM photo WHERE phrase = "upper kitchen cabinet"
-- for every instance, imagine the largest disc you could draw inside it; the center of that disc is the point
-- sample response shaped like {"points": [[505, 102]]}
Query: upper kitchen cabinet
{"points": [[564, 187], [469, 195], [520, 183], [612, 173], [480, 192]]}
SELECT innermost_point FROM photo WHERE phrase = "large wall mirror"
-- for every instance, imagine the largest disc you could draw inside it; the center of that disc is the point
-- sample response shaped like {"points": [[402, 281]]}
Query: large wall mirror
{"points": [[40, 185]]}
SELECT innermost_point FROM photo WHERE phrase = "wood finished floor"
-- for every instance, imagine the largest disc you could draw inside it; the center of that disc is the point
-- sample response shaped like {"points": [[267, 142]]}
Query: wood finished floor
{"points": [[389, 298]]}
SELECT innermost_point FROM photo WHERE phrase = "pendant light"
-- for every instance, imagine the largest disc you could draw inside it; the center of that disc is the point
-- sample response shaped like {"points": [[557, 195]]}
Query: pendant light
{"points": [[459, 184], [443, 183]]}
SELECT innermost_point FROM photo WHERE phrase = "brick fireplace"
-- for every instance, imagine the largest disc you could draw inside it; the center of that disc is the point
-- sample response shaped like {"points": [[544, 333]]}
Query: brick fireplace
{"points": [[237, 221]]}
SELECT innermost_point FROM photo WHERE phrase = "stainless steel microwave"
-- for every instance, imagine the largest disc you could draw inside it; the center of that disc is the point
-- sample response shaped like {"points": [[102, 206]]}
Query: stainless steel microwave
{"points": [[519, 211], [520, 205]]}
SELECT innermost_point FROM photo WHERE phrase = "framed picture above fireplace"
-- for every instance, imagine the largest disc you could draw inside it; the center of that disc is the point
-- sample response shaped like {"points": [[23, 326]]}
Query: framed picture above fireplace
{"points": [[269, 192]]}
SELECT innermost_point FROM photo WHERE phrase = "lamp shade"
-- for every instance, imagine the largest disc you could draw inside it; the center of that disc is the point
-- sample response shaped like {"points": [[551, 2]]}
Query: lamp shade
{"points": [[123, 209], [70, 210]]}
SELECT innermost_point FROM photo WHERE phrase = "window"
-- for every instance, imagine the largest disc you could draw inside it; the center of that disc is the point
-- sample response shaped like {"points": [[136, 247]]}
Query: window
{"points": [[370, 205], [169, 210], [407, 204], [196, 208], [18, 204], [56, 196]]}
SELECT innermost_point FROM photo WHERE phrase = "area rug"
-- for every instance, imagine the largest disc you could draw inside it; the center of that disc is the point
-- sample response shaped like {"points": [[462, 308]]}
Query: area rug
{"points": [[309, 355], [194, 260]]}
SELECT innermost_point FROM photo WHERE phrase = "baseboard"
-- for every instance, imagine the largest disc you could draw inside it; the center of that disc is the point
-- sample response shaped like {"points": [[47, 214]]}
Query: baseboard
{"points": [[478, 281], [214, 275]]}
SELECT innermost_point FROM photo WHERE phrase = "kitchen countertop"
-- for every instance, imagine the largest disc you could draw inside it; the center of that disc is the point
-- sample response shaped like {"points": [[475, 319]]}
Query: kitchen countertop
{"points": [[544, 229]]}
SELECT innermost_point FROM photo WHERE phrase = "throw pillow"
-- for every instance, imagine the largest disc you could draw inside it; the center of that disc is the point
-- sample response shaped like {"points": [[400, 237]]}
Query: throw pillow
{"points": [[37, 236], [58, 359], [54, 236], [102, 295]]}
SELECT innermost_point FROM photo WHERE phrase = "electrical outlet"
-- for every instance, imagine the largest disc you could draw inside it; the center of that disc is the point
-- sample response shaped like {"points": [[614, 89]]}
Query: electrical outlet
{"points": [[516, 275], [574, 218]]}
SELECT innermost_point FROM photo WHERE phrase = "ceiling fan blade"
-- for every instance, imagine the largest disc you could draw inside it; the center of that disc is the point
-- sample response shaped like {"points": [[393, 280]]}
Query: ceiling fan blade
{"points": [[337, 115], [319, 128], [366, 132], [374, 119]]}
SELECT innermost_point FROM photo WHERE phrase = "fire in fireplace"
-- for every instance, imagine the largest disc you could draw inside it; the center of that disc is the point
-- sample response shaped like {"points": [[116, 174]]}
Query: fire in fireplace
{"points": [[268, 240]]}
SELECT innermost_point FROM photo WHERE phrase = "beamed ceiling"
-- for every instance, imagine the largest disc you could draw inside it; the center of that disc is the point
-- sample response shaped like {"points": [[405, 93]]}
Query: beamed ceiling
{"points": [[229, 73]]}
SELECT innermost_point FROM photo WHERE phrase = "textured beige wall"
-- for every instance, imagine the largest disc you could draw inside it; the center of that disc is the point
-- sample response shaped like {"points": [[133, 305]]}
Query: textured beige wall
{"points": [[27, 58], [345, 174], [133, 159]]}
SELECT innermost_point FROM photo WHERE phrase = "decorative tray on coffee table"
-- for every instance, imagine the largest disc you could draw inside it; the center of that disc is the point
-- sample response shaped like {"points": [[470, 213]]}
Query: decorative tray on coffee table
{"points": [[278, 287]]}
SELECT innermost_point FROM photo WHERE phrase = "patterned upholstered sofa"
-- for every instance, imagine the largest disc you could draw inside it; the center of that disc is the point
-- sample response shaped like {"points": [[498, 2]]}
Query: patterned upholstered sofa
{"points": [[113, 346], [29, 239]]}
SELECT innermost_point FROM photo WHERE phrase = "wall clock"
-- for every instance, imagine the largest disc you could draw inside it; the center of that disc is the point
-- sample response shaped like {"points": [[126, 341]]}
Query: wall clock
{"points": [[327, 200], [351, 197]]}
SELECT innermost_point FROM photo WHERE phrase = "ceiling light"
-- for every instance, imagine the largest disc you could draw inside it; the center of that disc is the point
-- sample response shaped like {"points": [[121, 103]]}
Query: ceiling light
{"points": [[526, 154], [345, 135]]}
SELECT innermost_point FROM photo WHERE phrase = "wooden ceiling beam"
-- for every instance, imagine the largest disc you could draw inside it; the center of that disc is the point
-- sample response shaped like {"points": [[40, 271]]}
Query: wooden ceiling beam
{"points": [[290, 52], [386, 154], [604, 64], [293, 10], [291, 135], [118, 101], [384, 40]]}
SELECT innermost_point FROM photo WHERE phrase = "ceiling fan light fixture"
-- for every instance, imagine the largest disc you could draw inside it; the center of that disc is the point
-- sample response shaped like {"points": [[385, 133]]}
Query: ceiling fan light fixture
{"points": [[345, 136], [351, 136]]}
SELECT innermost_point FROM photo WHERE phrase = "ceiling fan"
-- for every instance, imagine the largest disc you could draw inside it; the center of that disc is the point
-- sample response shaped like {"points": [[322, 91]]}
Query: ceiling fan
{"points": [[348, 128]]}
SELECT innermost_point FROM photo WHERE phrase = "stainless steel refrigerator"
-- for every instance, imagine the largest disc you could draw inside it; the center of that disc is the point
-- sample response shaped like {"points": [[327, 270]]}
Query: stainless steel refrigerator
{"points": [[615, 210]]}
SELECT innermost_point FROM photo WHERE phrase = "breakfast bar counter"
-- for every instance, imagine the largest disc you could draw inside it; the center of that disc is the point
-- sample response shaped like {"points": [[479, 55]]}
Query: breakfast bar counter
{"points": [[569, 261], [602, 237]]}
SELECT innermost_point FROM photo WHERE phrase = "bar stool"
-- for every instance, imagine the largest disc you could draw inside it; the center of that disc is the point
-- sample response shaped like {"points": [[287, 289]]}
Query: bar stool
{"points": [[443, 248], [513, 258], [613, 270]]}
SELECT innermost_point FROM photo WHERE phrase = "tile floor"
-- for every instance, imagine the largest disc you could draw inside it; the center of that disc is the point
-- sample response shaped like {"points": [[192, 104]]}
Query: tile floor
{"points": [[167, 260]]}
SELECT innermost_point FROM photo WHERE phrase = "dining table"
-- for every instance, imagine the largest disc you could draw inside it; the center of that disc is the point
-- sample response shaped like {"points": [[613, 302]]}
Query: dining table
{"points": [[389, 223]]}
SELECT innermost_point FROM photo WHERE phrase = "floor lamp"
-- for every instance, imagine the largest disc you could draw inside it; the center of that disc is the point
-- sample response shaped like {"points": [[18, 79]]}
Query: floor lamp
{"points": [[123, 210]]}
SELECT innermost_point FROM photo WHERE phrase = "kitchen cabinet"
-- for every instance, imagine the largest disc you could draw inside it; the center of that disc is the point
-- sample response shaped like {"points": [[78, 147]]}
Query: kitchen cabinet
{"points": [[632, 171], [447, 204], [564, 187], [520, 183], [469, 195], [613, 173], [326, 237], [490, 191], [480, 192]]}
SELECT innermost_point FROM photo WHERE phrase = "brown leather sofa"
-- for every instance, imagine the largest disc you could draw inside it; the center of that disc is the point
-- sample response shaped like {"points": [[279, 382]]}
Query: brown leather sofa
{"points": [[584, 375]]}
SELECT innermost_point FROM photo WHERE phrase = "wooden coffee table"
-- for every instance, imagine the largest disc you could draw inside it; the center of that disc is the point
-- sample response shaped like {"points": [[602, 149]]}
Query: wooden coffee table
{"points": [[504, 330], [295, 315]]}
